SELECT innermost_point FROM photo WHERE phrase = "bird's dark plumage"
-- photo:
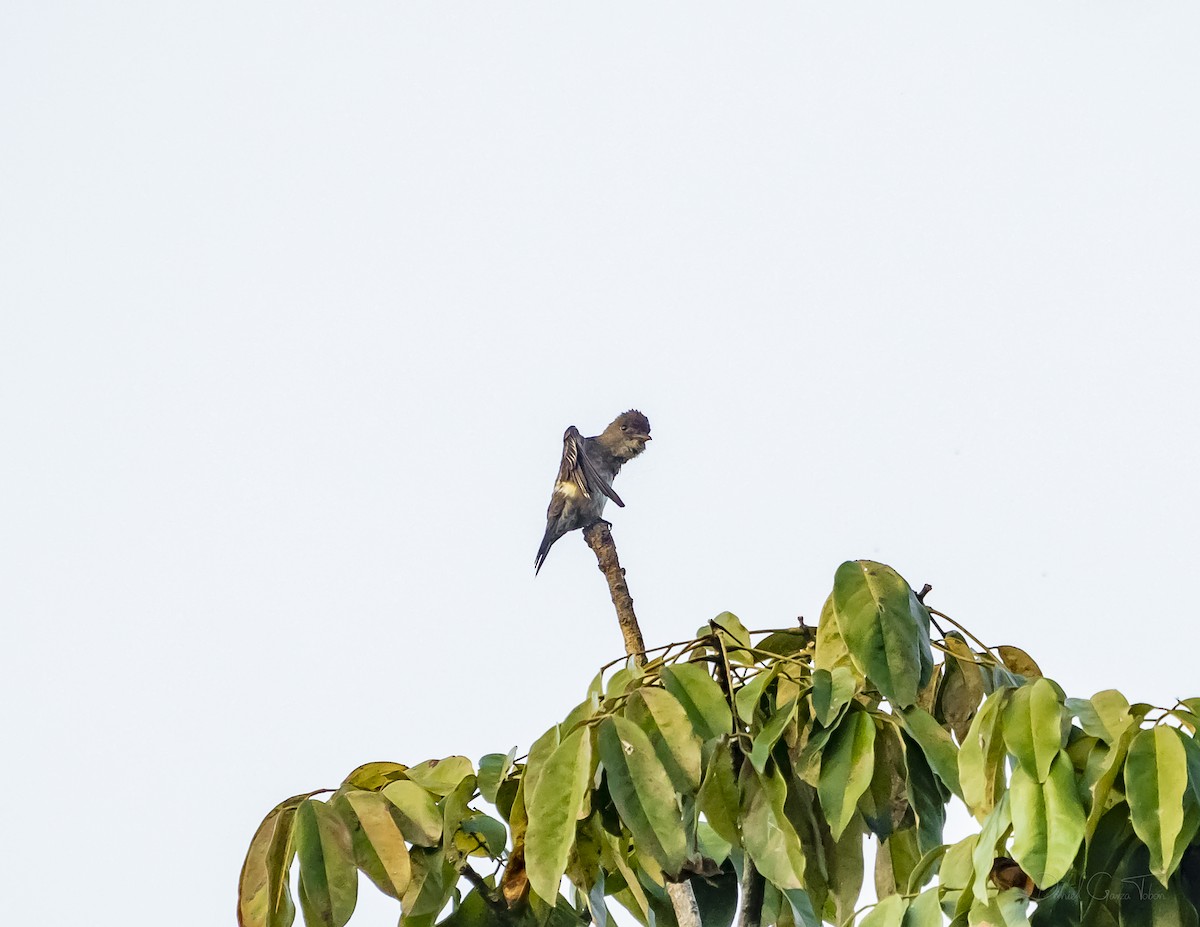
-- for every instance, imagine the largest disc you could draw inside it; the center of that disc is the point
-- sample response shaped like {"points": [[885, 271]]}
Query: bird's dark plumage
{"points": [[586, 474]]}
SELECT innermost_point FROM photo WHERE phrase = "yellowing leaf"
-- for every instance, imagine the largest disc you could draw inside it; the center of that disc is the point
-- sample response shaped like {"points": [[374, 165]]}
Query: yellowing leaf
{"points": [[264, 898]]}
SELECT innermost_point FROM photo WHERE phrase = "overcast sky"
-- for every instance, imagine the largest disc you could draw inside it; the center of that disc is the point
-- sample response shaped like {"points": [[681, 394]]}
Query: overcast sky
{"points": [[297, 300]]}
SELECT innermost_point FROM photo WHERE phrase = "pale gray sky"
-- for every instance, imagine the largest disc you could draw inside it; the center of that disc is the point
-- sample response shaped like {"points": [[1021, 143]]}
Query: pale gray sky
{"points": [[298, 300]]}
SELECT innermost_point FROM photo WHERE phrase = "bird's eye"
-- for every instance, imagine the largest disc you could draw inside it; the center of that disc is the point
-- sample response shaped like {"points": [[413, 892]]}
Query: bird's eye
{"points": [[624, 427]]}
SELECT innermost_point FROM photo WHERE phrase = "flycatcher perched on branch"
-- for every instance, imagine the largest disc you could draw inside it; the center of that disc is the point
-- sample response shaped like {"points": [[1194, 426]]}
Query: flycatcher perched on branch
{"points": [[586, 474]]}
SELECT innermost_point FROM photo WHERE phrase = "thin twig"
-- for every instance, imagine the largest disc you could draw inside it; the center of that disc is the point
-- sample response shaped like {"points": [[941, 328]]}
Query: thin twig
{"points": [[987, 649]]}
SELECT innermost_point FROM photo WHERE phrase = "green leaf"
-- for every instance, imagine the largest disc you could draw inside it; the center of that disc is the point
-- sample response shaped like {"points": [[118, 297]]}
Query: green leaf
{"points": [[441, 777], [764, 742], [432, 884], [832, 691], [787, 643], [718, 798], [801, 907], [846, 768], [328, 879], [711, 844], [660, 716], [643, 793], [927, 797], [895, 861], [885, 802], [735, 637], [539, 753], [264, 898], [455, 809], [554, 808], [1007, 909], [1104, 715], [767, 833], [936, 744], [885, 629], [633, 897], [380, 849], [1104, 768], [586, 709], [1047, 820], [1156, 780], [981, 757], [887, 913], [844, 862], [492, 770], [420, 819], [926, 866], [1034, 728], [746, 698], [957, 868], [481, 834], [700, 697], [990, 844], [924, 911], [803, 809]]}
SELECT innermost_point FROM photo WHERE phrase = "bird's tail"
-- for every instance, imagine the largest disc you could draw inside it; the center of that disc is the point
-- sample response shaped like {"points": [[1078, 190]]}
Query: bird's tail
{"points": [[547, 542]]}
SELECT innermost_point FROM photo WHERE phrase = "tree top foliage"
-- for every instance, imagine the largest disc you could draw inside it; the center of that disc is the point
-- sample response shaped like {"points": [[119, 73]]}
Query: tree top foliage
{"points": [[776, 753]]}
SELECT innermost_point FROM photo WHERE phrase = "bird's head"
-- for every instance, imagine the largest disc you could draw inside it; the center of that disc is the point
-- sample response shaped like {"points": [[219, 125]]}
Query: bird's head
{"points": [[628, 434]]}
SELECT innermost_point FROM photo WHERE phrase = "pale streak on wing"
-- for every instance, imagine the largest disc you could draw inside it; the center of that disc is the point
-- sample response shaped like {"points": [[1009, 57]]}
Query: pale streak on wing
{"points": [[571, 471]]}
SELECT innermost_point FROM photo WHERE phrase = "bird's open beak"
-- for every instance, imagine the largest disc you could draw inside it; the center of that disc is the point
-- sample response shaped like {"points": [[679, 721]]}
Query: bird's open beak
{"points": [[643, 438]]}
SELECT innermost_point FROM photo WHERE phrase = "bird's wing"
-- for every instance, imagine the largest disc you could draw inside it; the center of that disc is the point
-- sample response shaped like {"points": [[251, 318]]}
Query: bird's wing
{"points": [[578, 468]]}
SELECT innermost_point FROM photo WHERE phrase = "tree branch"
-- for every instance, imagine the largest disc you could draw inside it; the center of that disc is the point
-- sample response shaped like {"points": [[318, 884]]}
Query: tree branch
{"points": [[599, 538], [485, 892]]}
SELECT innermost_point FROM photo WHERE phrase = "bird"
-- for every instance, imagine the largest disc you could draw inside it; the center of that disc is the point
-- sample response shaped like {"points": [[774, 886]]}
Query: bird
{"points": [[586, 474]]}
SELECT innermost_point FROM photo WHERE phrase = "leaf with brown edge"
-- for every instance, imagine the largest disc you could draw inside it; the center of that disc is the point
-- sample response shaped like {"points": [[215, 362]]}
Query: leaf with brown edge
{"points": [[1017, 660], [373, 776], [961, 691], [514, 884], [264, 897]]}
